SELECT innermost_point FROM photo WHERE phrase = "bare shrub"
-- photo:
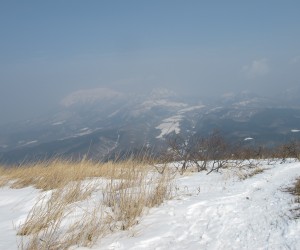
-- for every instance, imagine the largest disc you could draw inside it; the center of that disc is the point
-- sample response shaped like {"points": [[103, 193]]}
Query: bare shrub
{"points": [[218, 151], [288, 150], [180, 151], [198, 151]]}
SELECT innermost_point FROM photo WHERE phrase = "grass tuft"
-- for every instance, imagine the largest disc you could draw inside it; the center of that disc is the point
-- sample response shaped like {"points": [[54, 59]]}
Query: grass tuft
{"points": [[84, 201]]}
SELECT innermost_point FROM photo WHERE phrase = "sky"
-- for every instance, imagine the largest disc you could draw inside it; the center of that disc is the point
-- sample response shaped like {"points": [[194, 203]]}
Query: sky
{"points": [[49, 49]]}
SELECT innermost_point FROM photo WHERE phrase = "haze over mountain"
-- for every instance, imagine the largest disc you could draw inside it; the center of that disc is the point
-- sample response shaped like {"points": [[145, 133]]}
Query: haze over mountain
{"points": [[204, 49], [102, 123], [80, 77]]}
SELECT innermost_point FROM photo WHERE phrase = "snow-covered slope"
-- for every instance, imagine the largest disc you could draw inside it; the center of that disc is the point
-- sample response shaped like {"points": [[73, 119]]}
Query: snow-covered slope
{"points": [[216, 211]]}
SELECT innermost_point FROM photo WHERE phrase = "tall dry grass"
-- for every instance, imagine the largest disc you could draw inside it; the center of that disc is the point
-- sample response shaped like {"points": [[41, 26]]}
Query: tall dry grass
{"points": [[58, 173], [128, 198], [50, 223], [295, 190], [85, 200]]}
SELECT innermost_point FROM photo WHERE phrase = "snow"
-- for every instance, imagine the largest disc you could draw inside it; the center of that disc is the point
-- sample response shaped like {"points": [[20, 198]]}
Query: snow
{"points": [[84, 129], [14, 206], [169, 125], [172, 124], [162, 102], [58, 123], [243, 103], [249, 214], [84, 132], [159, 93], [30, 142], [153, 103], [215, 211], [216, 109], [23, 143], [90, 96], [192, 108], [295, 130], [114, 113]]}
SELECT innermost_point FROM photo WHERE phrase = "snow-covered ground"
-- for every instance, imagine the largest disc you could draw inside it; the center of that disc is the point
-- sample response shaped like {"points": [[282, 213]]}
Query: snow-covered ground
{"points": [[216, 211], [169, 125], [14, 206]]}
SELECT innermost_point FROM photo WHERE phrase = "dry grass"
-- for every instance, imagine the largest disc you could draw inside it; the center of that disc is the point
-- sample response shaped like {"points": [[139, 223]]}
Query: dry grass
{"points": [[79, 207], [128, 198], [243, 175], [58, 173], [51, 207], [297, 187], [295, 190], [243, 169], [84, 231]]}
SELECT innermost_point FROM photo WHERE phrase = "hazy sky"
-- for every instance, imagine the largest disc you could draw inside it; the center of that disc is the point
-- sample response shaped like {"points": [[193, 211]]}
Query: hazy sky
{"points": [[51, 48]]}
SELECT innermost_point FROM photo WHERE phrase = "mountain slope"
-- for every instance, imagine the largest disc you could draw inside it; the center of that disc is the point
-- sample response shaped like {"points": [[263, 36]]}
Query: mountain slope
{"points": [[103, 123]]}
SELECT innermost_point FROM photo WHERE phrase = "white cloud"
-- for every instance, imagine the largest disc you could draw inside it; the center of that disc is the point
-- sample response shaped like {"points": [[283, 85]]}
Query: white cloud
{"points": [[257, 68]]}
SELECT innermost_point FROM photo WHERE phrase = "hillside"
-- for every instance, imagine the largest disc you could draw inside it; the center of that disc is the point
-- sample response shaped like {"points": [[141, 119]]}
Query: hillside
{"points": [[230, 209], [102, 123], [218, 212]]}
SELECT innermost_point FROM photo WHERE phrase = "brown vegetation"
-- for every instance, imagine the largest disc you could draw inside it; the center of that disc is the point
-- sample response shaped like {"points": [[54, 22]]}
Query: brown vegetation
{"points": [[213, 152], [120, 192]]}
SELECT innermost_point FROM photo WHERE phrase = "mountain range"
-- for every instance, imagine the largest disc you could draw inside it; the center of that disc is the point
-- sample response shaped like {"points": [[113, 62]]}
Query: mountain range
{"points": [[103, 123]]}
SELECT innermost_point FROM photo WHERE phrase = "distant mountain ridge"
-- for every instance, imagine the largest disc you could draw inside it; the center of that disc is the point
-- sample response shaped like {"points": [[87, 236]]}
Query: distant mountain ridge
{"points": [[103, 122], [90, 96]]}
